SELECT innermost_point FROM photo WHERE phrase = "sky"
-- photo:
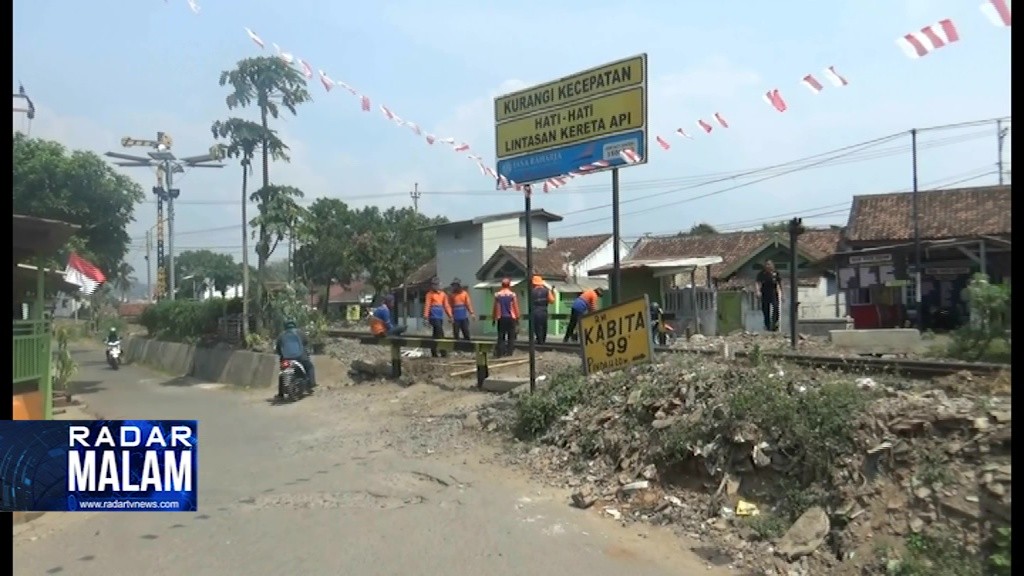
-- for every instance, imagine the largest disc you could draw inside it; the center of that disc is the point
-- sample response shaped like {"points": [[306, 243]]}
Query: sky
{"points": [[99, 70]]}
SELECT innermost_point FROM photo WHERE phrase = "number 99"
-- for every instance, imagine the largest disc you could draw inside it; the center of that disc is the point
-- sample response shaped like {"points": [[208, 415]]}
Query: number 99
{"points": [[618, 345]]}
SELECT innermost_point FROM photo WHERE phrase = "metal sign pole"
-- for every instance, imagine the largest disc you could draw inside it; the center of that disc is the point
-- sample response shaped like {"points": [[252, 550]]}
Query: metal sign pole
{"points": [[528, 209]]}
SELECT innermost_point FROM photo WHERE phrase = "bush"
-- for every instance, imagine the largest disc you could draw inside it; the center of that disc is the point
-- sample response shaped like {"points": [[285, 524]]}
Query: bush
{"points": [[535, 413], [186, 320], [986, 336]]}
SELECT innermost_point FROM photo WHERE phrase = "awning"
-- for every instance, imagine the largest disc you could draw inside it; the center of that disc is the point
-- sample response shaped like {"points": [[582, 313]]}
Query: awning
{"points": [[25, 277], [495, 284], [667, 267]]}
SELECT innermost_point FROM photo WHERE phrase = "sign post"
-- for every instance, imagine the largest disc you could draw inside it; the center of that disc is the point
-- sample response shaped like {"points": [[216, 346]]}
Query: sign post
{"points": [[617, 337]]}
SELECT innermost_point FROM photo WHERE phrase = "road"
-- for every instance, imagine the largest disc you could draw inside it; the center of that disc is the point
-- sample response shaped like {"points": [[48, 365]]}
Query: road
{"points": [[335, 484]]}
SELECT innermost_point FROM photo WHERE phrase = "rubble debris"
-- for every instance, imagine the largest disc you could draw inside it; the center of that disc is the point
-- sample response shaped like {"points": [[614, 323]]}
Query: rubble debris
{"points": [[806, 535]]}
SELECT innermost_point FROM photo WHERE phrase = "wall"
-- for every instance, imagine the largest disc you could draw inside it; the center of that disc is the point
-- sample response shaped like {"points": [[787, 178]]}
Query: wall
{"points": [[819, 302], [28, 406], [236, 367], [512, 232], [460, 253], [65, 306], [600, 257]]}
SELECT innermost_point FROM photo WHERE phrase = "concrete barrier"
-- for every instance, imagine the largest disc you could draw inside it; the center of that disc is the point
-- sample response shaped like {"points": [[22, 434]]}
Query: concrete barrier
{"points": [[823, 326], [882, 341], [235, 367]]}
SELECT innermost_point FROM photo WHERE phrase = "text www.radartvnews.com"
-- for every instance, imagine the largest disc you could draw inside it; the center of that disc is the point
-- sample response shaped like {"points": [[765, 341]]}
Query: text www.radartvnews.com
{"points": [[127, 505]]}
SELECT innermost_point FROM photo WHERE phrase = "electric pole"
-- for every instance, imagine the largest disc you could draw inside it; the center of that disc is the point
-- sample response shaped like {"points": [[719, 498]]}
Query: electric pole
{"points": [[166, 165], [1001, 134], [149, 267], [415, 195]]}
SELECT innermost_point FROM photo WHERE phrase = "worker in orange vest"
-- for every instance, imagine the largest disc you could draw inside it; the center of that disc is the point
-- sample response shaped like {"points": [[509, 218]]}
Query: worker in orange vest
{"points": [[585, 303], [435, 310], [506, 318], [462, 310], [540, 296]]}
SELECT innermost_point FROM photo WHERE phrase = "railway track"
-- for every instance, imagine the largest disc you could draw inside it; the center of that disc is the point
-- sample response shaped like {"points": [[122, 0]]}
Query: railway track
{"points": [[867, 364]]}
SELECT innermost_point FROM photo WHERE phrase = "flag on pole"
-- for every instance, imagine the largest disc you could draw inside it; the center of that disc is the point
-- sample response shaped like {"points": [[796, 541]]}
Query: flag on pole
{"points": [[84, 274]]}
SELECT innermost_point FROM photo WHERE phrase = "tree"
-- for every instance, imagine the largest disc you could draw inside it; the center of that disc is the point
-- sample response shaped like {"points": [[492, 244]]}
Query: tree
{"points": [[244, 137], [390, 245], [277, 271], [124, 280], [326, 256], [209, 270], [782, 226], [269, 83], [278, 218], [79, 188], [702, 229]]}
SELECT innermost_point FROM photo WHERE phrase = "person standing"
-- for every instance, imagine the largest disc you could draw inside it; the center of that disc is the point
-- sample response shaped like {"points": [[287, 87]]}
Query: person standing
{"points": [[541, 296], [584, 304], [435, 310], [769, 284], [462, 310], [506, 318]]}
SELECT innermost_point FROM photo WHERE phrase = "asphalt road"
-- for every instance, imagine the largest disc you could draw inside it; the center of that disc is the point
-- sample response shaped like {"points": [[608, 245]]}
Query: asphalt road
{"points": [[328, 486]]}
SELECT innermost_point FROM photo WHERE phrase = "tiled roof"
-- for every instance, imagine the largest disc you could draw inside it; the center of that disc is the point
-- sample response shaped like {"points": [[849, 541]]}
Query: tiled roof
{"points": [[131, 309], [735, 248], [549, 264], [978, 211], [424, 274], [577, 247]]}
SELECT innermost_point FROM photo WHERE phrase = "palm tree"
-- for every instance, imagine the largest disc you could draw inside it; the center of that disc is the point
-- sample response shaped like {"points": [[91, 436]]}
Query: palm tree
{"points": [[244, 138], [124, 280], [270, 83]]}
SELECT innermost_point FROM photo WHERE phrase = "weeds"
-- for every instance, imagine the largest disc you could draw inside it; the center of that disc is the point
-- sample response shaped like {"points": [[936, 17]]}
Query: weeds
{"points": [[767, 526], [999, 560], [535, 413], [934, 555], [64, 366]]}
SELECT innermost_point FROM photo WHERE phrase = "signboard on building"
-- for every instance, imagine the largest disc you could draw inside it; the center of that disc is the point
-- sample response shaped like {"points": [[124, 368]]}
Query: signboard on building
{"points": [[617, 337], [555, 128], [870, 259]]}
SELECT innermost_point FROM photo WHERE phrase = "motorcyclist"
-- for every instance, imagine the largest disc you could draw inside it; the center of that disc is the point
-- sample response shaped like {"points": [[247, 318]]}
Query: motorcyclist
{"points": [[112, 336], [658, 327], [291, 345]]}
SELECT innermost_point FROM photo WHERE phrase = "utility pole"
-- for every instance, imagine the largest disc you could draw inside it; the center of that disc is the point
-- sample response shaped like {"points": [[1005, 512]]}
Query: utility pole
{"points": [[415, 195], [1001, 134], [915, 215], [149, 267], [796, 228], [166, 165]]}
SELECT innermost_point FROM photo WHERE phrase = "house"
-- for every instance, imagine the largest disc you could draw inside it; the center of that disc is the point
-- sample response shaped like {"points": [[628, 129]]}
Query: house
{"points": [[961, 231], [721, 269], [464, 246], [67, 305], [344, 301], [562, 263], [32, 385]]}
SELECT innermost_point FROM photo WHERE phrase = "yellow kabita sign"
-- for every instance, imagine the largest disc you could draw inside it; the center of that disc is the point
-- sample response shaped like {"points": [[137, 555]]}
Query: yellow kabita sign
{"points": [[585, 121], [617, 337], [564, 91]]}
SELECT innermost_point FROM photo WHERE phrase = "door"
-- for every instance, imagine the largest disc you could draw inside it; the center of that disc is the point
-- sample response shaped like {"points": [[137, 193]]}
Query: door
{"points": [[730, 315]]}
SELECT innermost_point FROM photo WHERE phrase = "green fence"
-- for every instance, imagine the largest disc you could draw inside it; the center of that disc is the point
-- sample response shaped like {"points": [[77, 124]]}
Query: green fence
{"points": [[32, 341]]}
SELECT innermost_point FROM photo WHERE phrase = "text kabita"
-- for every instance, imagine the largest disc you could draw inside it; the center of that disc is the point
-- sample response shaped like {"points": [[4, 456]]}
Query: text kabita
{"points": [[614, 328]]}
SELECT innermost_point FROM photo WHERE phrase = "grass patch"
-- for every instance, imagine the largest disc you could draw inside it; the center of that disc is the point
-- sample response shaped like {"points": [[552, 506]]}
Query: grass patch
{"points": [[537, 412], [767, 526], [935, 555]]}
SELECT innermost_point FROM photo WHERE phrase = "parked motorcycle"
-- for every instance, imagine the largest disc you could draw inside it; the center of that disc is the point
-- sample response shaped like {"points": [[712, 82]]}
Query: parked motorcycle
{"points": [[114, 354], [292, 382]]}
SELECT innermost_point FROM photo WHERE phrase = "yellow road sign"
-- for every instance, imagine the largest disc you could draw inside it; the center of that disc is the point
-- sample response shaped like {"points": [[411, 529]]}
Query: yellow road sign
{"points": [[352, 313], [617, 337], [585, 120], [564, 91]]}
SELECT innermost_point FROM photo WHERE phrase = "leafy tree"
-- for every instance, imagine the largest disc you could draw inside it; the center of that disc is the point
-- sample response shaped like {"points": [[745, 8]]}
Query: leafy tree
{"points": [[244, 138], [205, 265], [702, 229], [277, 271], [124, 280], [782, 226], [279, 216], [328, 235], [79, 188], [269, 83], [390, 245]]}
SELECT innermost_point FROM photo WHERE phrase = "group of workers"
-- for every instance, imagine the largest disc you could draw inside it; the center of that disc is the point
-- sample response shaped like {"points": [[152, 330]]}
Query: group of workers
{"points": [[456, 306]]}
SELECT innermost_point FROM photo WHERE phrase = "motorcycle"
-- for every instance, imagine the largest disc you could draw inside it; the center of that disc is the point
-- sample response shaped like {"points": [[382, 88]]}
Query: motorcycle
{"points": [[114, 354], [662, 336], [292, 382]]}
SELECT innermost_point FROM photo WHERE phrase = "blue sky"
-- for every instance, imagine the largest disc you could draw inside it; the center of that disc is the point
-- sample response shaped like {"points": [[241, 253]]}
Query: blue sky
{"points": [[103, 69]]}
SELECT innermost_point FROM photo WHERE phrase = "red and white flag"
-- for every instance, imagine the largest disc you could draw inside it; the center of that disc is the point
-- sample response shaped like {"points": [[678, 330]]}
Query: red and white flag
{"points": [[84, 274], [997, 11]]}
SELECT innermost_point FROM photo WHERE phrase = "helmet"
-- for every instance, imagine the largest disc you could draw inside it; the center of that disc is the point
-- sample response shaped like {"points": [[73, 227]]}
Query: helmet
{"points": [[113, 329], [655, 305], [289, 324]]}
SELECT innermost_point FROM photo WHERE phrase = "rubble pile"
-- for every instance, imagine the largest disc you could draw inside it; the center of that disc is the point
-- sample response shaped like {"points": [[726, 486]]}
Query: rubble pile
{"points": [[785, 470]]}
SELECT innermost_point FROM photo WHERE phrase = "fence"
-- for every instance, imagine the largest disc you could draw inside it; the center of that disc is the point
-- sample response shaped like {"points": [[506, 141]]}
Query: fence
{"points": [[696, 310]]}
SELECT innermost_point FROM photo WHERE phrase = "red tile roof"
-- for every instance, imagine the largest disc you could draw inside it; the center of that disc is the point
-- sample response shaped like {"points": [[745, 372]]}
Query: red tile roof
{"points": [[961, 212], [735, 248], [577, 248]]}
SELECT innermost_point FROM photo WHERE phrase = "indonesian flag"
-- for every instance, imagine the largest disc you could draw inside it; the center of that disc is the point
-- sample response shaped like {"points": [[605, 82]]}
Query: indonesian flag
{"points": [[84, 274]]}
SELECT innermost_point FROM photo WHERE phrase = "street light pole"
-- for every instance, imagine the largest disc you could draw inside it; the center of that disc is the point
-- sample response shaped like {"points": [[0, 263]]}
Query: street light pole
{"points": [[171, 195]]}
